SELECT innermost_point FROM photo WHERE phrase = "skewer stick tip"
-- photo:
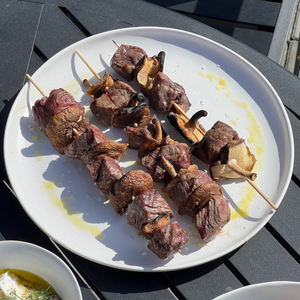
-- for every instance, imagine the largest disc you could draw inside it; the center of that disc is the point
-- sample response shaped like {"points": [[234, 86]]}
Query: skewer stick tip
{"points": [[261, 193], [87, 64], [36, 85], [116, 44]]}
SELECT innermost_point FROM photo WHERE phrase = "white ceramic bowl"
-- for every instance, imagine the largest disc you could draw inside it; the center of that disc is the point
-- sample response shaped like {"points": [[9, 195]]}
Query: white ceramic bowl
{"points": [[37, 260], [275, 290]]}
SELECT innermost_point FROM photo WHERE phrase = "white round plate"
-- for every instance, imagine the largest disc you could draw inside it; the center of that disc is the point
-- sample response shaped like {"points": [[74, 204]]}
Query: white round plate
{"points": [[58, 193], [276, 290]]}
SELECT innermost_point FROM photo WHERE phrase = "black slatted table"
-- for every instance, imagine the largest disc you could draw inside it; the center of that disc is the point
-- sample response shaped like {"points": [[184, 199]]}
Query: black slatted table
{"points": [[31, 32]]}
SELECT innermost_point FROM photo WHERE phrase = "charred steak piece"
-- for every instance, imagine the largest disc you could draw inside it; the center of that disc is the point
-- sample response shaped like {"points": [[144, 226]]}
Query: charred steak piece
{"points": [[60, 128], [130, 115], [107, 106], [209, 148], [125, 59], [183, 185], [115, 150], [177, 154], [105, 171], [143, 132], [127, 187], [45, 108], [212, 218], [200, 196], [148, 211], [91, 137], [167, 240], [165, 92], [150, 146]]}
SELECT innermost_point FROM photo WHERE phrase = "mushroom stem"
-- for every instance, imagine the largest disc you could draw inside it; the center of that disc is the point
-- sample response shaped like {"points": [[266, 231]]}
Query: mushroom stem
{"points": [[76, 132], [178, 108], [169, 167], [161, 58], [194, 119], [158, 130], [232, 163]]}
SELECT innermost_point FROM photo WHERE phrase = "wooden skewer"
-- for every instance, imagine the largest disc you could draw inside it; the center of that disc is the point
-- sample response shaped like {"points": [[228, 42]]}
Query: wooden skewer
{"points": [[88, 65], [116, 44], [261, 193], [76, 132], [178, 108], [250, 177], [36, 85]]}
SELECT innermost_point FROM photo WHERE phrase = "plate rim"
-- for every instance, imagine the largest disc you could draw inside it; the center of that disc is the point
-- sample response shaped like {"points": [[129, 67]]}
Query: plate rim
{"points": [[256, 286]]}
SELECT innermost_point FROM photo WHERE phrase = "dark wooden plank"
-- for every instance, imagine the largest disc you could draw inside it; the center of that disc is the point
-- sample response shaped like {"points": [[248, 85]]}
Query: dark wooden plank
{"points": [[286, 220], [263, 259], [12, 220], [35, 63], [56, 31], [17, 35], [258, 40], [214, 274], [96, 23], [117, 284], [240, 11]]}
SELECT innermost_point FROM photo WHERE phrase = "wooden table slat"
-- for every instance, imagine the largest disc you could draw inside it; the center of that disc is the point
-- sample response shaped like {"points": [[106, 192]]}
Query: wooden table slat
{"points": [[17, 35], [240, 11], [192, 282], [56, 31], [262, 259]]}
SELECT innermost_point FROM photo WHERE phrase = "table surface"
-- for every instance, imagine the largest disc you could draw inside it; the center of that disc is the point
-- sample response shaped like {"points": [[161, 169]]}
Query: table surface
{"points": [[32, 32]]}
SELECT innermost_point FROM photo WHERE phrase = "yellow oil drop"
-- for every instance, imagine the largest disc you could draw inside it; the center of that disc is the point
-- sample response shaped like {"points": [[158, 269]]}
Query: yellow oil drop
{"points": [[49, 188], [201, 244], [243, 206], [233, 122], [211, 77], [223, 83], [28, 279]]}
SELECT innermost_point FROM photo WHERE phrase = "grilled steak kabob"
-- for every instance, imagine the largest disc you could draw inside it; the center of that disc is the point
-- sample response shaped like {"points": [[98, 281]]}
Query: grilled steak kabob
{"points": [[112, 99], [222, 148], [197, 195], [148, 210], [155, 149], [132, 62], [193, 191]]}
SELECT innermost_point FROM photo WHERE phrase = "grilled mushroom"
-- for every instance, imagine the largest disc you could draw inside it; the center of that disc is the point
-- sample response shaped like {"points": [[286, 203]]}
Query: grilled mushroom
{"points": [[188, 128], [146, 69], [133, 112], [95, 91], [236, 161]]}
